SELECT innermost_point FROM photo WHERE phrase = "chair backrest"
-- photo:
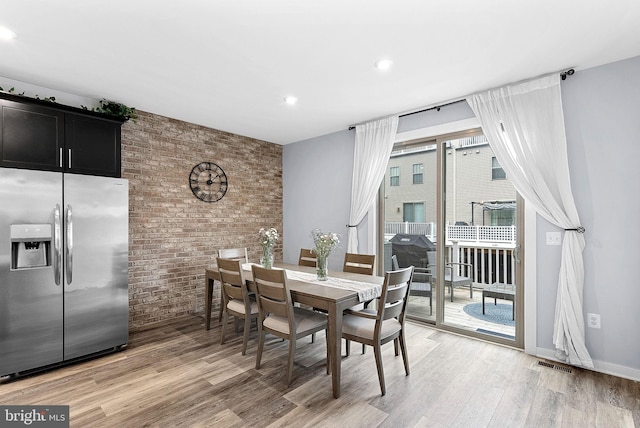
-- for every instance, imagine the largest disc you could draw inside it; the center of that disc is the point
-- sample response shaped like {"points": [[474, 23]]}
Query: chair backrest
{"points": [[359, 263], [431, 258], [273, 294], [394, 263], [393, 300], [234, 254], [232, 279], [307, 257]]}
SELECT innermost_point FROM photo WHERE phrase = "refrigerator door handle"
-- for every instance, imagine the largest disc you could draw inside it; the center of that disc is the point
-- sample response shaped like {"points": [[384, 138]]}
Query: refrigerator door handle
{"points": [[57, 246], [69, 244]]}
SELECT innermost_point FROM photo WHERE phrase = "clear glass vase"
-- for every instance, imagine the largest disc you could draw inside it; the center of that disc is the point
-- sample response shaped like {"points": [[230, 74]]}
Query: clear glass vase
{"points": [[266, 260], [321, 268]]}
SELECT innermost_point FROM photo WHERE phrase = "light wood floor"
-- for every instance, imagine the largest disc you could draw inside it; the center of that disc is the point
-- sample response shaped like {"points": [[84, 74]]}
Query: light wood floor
{"points": [[177, 374]]}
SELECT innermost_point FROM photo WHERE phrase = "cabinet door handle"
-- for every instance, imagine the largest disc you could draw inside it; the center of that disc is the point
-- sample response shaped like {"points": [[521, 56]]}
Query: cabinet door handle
{"points": [[60, 157], [69, 158]]}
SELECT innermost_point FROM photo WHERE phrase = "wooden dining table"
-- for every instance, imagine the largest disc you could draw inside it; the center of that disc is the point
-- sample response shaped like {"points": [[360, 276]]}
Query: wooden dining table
{"points": [[331, 299]]}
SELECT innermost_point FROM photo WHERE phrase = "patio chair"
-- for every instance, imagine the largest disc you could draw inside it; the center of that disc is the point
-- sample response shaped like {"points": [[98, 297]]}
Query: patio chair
{"points": [[456, 274], [460, 272], [421, 285], [377, 327]]}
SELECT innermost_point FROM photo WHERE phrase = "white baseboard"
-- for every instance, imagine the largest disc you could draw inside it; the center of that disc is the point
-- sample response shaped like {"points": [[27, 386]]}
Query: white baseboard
{"points": [[598, 366]]}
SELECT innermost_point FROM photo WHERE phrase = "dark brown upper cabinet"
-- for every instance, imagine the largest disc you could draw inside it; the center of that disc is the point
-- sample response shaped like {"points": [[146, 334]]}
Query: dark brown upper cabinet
{"points": [[92, 146], [36, 136]]}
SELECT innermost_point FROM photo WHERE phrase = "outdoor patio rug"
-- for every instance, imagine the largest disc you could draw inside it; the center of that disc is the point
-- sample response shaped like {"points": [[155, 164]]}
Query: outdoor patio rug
{"points": [[498, 314]]}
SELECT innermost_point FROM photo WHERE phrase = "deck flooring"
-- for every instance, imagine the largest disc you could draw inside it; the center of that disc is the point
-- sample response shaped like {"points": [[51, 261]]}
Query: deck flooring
{"points": [[455, 314]]}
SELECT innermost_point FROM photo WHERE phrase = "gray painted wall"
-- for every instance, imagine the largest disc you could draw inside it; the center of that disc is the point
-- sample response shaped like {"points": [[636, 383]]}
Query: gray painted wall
{"points": [[316, 176], [602, 119]]}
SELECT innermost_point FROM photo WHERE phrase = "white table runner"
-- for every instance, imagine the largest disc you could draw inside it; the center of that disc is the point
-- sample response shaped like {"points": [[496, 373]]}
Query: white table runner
{"points": [[366, 292]]}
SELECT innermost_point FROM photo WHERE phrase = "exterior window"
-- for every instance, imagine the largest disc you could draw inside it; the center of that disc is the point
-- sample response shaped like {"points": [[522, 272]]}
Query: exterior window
{"points": [[500, 213], [417, 173], [394, 176], [497, 173], [414, 212], [503, 217]]}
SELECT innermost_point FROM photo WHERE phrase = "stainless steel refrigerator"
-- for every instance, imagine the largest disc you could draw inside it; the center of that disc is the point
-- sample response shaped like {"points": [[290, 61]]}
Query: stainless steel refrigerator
{"points": [[63, 267]]}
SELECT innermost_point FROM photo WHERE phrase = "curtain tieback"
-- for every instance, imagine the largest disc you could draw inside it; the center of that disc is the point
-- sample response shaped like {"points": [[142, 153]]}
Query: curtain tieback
{"points": [[578, 229], [351, 225]]}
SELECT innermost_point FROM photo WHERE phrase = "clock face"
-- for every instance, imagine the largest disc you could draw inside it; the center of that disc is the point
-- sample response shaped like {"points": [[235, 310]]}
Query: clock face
{"points": [[208, 182]]}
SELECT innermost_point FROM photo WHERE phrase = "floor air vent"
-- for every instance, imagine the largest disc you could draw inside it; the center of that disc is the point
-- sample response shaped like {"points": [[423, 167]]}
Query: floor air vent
{"points": [[555, 366]]}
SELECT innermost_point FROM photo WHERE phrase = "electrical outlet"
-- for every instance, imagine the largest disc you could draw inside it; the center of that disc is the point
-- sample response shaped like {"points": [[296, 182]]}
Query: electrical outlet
{"points": [[593, 320], [554, 238]]}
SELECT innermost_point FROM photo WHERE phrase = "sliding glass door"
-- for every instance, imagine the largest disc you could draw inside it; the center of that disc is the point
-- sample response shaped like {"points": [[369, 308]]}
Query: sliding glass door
{"points": [[450, 211], [410, 195]]}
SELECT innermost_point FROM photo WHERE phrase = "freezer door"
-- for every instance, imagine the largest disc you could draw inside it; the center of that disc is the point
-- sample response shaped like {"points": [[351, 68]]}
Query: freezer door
{"points": [[31, 318], [96, 299]]}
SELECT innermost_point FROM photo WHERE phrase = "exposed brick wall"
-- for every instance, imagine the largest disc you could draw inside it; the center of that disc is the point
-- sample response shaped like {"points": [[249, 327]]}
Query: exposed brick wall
{"points": [[173, 236]]}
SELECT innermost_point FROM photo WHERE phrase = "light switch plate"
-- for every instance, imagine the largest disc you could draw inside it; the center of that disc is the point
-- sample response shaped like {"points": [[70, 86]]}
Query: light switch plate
{"points": [[554, 238]]}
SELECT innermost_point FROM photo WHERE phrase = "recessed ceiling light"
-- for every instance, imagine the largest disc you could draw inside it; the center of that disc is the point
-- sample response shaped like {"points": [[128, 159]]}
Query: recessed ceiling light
{"points": [[6, 34], [291, 100], [383, 64]]}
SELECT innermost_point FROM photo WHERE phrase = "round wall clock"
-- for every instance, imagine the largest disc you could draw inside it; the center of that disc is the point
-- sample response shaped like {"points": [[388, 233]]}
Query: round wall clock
{"points": [[208, 182]]}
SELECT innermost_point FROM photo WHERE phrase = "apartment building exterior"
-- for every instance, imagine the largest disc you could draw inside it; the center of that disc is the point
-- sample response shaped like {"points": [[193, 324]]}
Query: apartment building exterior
{"points": [[477, 189]]}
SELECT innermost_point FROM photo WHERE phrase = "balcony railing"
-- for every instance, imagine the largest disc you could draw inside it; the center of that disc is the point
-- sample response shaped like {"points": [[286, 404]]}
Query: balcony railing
{"points": [[488, 248], [478, 234], [409, 228], [466, 234], [490, 264]]}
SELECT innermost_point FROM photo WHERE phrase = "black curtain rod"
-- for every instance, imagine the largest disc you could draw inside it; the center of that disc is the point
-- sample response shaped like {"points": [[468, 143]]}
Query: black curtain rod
{"points": [[569, 72], [423, 110], [437, 108], [563, 76]]}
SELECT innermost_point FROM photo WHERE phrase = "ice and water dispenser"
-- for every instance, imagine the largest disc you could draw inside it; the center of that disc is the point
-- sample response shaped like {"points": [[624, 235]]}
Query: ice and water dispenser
{"points": [[30, 245]]}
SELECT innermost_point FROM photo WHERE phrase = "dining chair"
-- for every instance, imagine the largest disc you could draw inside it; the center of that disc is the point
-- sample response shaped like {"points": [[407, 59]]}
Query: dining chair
{"points": [[279, 317], [384, 324], [233, 254], [235, 297], [307, 257], [359, 263]]}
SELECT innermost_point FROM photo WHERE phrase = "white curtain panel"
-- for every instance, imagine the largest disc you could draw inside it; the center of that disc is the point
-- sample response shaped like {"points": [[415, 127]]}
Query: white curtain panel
{"points": [[524, 124], [374, 142]]}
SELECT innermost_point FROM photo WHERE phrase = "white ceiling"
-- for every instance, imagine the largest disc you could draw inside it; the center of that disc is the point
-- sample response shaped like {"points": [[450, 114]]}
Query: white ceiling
{"points": [[228, 64]]}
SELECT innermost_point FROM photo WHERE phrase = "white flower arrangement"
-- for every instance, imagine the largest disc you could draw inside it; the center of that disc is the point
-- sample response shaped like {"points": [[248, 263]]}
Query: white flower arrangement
{"points": [[268, 237], [324, 242]]}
